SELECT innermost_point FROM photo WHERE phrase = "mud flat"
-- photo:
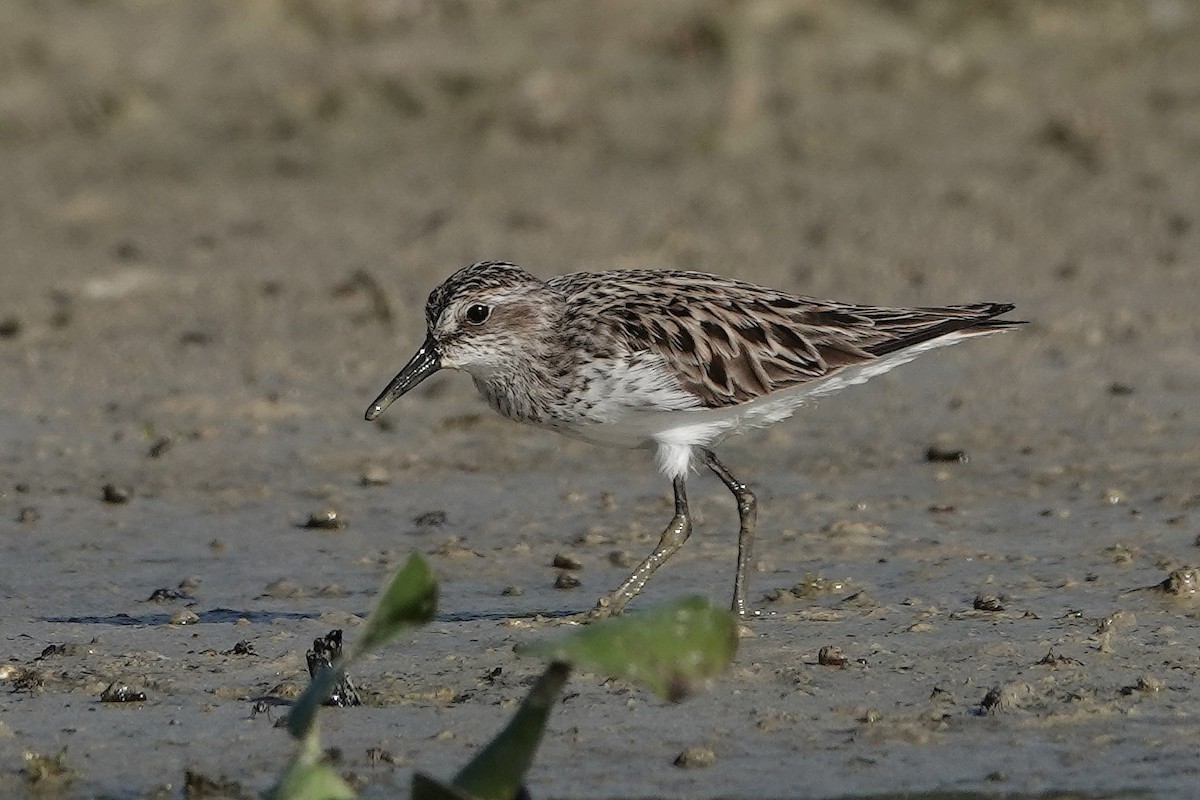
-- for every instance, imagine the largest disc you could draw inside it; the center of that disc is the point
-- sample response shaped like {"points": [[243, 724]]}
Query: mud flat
{"points": [[218, 230]]}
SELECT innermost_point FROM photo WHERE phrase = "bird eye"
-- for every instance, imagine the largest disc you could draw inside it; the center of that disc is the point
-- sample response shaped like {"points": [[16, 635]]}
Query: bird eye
{"points": [[478, 314]]}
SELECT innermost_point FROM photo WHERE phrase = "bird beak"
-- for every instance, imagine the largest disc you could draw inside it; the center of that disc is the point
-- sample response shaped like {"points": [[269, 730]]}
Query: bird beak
{"points": [[424, 363]]}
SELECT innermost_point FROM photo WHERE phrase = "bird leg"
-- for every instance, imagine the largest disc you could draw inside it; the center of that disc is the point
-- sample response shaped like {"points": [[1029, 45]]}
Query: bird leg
{"points": [[672, 539], [747, 513]]}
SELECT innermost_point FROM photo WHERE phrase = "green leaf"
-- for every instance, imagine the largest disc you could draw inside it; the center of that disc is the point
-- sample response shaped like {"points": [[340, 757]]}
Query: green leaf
{"points": [[302, 718], [309, 778], [497, 772], [669, 650], [312, 782], [410, 599], [427, 788]]}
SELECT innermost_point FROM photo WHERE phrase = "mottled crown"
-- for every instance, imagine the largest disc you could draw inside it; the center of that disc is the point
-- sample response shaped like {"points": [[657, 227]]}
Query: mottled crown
{"points": [[474, 278]]}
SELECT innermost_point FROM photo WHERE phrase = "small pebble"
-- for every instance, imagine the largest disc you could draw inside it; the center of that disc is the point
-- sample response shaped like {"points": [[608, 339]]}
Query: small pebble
{"points": [[1118, 621], [283, 589], [563, 561], [987, 602], [245, 647], [696, 756], [1052, 659], [28, 680], [566, 580], [455, 547], [165, 595], [1183, 582], [28, 515], [377, 755], [430, 519], [115, 494], [121, 693], [832, 656], [375, 476], [1147, 684], [936, 454], [1005, 697], [512, 591], [326, 519], [1150, 684], [1120, 553], [184, 616]]}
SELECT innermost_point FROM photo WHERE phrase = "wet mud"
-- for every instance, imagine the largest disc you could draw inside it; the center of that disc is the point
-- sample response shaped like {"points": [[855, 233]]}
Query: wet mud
{"points": [[976, 574]]}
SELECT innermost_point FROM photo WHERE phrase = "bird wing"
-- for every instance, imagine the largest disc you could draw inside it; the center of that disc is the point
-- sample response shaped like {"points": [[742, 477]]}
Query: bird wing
{"points": [[728, 342]]}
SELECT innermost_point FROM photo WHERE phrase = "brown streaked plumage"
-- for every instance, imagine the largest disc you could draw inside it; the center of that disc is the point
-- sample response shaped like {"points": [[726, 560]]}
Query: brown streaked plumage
{"points": [[728, 341], [665, 359]]}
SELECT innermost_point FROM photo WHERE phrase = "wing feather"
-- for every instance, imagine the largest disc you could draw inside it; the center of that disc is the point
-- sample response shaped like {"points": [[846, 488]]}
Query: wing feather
{"points": [[728, 342]]}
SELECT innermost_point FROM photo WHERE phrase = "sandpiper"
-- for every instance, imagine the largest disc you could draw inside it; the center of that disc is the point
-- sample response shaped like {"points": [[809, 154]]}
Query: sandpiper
{"points": [[664, 359]]}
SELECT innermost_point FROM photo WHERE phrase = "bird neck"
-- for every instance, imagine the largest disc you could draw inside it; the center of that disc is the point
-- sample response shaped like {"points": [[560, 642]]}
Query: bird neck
{"points": [[530, 386]]}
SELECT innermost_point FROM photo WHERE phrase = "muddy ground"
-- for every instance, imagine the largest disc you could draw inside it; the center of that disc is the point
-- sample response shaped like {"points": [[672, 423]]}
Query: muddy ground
{"points": [[218, 225]]}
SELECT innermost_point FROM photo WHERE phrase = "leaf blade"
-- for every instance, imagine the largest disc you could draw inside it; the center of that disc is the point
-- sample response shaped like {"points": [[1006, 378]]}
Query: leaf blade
{"points": [[409, 600], [669, 650], [497, 771]]}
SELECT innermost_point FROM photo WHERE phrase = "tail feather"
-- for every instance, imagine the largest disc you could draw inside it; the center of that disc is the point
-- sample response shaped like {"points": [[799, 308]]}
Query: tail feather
{"points": [[972, 320]]}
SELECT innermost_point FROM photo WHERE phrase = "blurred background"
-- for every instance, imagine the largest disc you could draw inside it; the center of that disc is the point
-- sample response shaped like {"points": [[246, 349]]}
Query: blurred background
{"points": [[223, 211], [229, 192]]}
